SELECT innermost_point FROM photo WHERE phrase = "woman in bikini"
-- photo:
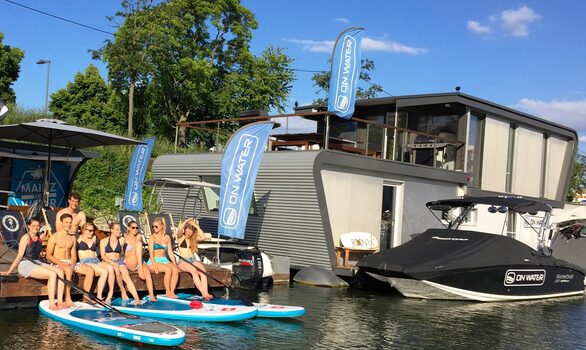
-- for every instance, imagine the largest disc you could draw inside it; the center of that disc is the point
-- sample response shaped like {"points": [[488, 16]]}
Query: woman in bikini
{"points": [[111, 253], [29, 264], [188, 234], [133, 257], [159, 244], [86, 251]]}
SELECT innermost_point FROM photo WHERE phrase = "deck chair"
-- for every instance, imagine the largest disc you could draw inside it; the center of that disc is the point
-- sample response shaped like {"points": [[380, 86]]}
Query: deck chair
{"points": [[167, 218], [49, 222], [169, 227], [125, 217], [12, 227]]}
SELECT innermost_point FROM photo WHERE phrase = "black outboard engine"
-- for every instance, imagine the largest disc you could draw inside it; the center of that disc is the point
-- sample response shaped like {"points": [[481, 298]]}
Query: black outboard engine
{"points": [[247, 269]]}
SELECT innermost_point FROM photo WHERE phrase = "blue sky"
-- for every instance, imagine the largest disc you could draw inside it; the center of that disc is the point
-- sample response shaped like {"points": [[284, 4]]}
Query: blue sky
{"points": [[526, 55]]}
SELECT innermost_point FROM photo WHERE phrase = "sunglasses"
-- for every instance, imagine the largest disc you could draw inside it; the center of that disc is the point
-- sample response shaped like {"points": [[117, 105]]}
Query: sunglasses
{"points": [[155, 226], [133, 227]]}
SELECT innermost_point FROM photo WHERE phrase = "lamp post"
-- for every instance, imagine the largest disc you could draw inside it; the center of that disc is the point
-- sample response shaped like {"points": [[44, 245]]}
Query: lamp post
{"points": [[48, 63]]}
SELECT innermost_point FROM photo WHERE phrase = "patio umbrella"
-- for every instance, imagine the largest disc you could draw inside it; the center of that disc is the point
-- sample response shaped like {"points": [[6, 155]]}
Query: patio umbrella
{"points": [[54, 132]]}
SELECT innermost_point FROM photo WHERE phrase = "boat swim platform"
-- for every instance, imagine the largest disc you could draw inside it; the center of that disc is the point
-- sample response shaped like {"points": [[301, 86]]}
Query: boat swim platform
{"points": [[29, 287]]}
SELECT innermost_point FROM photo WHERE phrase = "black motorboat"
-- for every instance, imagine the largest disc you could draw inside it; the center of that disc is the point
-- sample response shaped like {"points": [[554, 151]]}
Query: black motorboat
{"points": [[469, 265]]}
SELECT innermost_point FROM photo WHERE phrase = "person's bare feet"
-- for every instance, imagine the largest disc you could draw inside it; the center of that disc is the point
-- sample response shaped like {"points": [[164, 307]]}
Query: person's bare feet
{"points": [[53, 307], [69, 303], [208, 297], [172, 295], [124, 296], [152, 298], [62, 305], [108, 300], [137, 302]]}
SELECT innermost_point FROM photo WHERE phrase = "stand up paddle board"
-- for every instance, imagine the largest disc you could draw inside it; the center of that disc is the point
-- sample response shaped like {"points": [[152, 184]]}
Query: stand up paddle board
{"points": [[187, 312], [103, 321], [264, 310]]}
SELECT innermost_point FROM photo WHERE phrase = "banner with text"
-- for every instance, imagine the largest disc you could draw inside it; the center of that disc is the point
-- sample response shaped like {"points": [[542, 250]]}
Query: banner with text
{"points": [[138, 167], [344, 72], [240, 165], [27, 180]]}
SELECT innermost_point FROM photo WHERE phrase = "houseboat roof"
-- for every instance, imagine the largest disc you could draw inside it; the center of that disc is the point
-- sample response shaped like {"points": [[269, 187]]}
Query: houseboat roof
{"points": [[465, 99]]}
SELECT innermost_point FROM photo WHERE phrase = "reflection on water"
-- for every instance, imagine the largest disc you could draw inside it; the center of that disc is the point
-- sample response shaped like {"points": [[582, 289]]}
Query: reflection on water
{"points": [[343, 319]]}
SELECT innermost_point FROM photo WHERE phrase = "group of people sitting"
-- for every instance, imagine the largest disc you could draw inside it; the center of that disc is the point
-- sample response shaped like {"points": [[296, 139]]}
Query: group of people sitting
{"points": [[73, 248]]}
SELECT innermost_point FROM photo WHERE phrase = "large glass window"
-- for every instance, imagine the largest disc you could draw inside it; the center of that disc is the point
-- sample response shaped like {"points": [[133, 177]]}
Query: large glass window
{"points": [[434, 136], [474, 148]]}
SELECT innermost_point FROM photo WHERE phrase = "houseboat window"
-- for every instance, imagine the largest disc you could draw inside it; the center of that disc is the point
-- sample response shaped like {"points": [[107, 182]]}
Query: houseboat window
{"points": [[212, 196], [474, 148], [434, 136]]}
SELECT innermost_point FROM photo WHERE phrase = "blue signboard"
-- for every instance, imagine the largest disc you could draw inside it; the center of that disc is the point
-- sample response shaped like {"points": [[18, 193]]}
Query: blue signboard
{"points": [[240, 165], [28, 180], [344, 74], [138, 168]]}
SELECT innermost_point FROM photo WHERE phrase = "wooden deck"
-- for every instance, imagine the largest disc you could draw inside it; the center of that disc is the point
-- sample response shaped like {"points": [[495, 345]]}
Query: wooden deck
{"points": [[29, 287]]}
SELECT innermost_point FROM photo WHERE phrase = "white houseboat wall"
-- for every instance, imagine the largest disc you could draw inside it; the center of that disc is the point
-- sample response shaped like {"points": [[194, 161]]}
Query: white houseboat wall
{"points": [[396, 154]]}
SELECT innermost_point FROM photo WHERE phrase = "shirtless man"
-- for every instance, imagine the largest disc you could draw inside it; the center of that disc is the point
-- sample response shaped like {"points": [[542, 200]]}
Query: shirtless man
{"points": [[62, 252], [72, 209]]}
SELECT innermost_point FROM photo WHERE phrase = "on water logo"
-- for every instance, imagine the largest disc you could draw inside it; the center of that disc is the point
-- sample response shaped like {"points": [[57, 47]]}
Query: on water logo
{"points": [[524, 278], [237, 181], [143, 151], [346, 70], [10, 223]]}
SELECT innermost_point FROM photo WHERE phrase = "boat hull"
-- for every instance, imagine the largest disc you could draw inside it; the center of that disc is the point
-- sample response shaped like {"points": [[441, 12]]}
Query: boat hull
{"points": [[500, 283]]}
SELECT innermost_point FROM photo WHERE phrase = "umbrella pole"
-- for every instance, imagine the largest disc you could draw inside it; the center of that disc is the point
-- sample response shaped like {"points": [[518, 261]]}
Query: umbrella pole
{"points": [[47, 178]]}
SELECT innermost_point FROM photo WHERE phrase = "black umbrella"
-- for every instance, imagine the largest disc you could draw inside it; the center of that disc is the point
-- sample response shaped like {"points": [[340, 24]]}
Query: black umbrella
{"points": [[54, 132]]}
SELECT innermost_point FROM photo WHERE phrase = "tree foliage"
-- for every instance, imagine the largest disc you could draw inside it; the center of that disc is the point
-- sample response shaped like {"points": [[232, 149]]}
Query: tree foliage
{"points": [[127, 55], [191, 61], [321, 80], [87, 101], [10, 58], [577, 184]]}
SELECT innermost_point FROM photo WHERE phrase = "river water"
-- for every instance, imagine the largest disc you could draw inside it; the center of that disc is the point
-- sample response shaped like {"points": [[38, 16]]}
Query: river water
{"points": [[345, 319]]}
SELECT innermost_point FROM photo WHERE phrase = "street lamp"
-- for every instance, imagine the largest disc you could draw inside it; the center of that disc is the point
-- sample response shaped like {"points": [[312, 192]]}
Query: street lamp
{"points": [[48, 63]]}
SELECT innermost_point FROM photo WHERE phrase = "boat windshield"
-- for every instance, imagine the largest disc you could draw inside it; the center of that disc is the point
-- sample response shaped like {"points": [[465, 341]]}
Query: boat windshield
{"points": [[454, 212]]}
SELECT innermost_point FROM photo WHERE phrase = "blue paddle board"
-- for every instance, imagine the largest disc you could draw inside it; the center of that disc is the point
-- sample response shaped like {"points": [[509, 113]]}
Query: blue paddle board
{"points": [[264, 310], [185, 312], [106, 322]]}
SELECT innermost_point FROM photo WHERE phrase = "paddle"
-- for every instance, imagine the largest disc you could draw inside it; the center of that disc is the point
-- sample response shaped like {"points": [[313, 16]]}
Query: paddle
{"points": [[244, 300], [81, 290]]}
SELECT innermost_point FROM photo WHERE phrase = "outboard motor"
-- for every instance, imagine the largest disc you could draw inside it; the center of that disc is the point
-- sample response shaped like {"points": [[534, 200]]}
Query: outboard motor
{"points": [[247, 268]]}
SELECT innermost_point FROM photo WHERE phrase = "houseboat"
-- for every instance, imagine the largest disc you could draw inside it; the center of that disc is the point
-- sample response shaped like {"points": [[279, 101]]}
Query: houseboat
{"points": [[374, 173]]}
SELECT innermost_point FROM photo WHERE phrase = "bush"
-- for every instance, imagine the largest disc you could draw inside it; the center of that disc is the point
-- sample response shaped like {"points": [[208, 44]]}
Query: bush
{"points": [[101, 180]]}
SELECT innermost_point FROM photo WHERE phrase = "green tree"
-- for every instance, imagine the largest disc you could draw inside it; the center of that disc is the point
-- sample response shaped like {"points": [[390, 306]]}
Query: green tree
{"points": [[203, 68], [322, 81], [10, 58], [87, 102], [127, 55], [578, 178]]}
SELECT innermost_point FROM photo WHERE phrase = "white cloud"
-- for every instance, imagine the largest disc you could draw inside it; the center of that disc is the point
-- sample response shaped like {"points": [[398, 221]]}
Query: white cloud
{"points": [[568, 113], [516, 22], [368, 44], [477, 28], [313, 45], [343, 20]]}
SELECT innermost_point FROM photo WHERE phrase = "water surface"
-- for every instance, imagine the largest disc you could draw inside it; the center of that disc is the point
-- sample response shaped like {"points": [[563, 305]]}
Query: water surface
{"points": [[343, 319]]}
